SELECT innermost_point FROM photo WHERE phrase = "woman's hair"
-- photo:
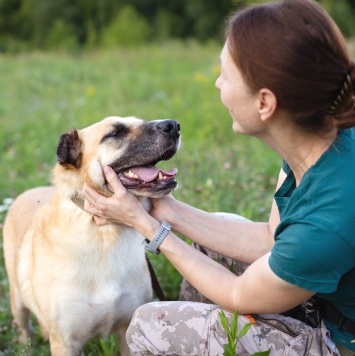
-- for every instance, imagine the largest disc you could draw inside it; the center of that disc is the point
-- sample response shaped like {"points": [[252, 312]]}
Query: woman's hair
{"points": [[295, 49]]}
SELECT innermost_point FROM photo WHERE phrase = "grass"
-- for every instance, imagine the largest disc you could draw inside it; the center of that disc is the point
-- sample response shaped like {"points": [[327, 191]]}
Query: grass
{"points": [[46, 94]]}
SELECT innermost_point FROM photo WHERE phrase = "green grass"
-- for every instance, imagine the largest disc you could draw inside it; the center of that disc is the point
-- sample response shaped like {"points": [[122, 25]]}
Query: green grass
{"points": [[44, 95]]}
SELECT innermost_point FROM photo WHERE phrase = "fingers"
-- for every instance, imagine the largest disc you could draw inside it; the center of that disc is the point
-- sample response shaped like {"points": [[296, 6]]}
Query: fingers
{"points": [[113, 180], [102, 221], [90, 194], [90, 208], [122, 207]]}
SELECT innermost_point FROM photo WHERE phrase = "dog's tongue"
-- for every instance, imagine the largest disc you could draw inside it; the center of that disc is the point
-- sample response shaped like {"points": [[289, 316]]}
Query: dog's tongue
{"points": [[149, 173]]}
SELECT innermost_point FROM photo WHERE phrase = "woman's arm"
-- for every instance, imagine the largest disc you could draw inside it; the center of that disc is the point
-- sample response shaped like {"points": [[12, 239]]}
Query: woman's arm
{"points": [[242, 240], [258, 290]]}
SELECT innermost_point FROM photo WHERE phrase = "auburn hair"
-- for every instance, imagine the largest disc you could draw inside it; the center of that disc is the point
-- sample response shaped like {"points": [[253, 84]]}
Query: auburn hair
{"points": [[296, 50]]}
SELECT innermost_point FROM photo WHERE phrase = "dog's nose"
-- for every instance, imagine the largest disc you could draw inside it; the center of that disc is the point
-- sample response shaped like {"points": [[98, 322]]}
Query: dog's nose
{"points": [[169, 128]]}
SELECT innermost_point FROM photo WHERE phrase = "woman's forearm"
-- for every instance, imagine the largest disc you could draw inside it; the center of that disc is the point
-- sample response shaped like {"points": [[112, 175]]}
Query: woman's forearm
{"points": [[241, 240]]}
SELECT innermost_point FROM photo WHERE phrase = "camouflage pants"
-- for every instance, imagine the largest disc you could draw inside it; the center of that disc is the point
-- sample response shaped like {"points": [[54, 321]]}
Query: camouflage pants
{"points": [[192, 326]]}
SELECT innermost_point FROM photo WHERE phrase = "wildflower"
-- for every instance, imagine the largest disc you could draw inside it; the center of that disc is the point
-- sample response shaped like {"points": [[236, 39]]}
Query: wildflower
{"points": [[90, 90]]}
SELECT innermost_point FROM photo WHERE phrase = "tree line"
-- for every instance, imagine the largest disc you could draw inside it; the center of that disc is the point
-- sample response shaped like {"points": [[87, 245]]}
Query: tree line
{"points": [[73, 24]]}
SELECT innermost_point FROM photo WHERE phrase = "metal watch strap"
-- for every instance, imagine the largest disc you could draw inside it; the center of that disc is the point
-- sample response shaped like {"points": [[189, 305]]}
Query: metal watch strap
{"points": [[153, 245]]}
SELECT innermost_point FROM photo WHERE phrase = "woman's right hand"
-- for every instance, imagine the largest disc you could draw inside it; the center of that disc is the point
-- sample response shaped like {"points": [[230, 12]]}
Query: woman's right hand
{"points": [[122, 207]]}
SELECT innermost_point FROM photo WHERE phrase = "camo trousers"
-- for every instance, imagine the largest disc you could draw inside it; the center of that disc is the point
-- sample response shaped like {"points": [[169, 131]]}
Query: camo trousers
{"points": [[192, 326]]}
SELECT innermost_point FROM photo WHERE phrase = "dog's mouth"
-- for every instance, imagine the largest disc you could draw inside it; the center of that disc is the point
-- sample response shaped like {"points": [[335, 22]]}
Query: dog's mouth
{"points": [[148, 180], [145, 176]]}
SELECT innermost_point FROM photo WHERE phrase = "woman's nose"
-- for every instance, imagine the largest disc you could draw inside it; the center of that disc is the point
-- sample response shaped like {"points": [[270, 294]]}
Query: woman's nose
{"points": [[218, 83]]}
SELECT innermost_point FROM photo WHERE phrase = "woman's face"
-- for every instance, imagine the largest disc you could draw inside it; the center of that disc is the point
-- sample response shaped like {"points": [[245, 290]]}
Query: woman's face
{"points": [[237, 97]]}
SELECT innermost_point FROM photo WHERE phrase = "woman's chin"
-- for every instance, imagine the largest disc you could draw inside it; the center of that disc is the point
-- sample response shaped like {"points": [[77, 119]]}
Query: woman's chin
{"points": [[236, 128]]}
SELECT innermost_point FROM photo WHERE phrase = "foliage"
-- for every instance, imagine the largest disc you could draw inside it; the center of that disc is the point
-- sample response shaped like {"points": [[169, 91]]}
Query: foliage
{"points": [[120, 31], [64, 24], [230, 349], [342, 14], [61, 37]]}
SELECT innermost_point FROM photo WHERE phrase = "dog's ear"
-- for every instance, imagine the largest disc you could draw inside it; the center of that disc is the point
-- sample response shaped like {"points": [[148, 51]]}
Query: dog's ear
{"points": [[69, 149]]}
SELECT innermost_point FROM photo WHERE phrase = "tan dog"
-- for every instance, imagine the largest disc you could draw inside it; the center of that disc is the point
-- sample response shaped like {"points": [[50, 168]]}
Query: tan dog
{"points": [[79, 279]]}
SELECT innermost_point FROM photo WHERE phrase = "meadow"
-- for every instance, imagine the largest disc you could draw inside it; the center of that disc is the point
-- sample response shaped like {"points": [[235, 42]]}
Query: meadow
{"points": [[45, 94]]}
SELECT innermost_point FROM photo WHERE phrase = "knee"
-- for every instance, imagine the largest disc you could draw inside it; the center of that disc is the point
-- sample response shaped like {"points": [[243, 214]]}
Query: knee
{"points": [[135, 331], [132, 329], [136, 320]]}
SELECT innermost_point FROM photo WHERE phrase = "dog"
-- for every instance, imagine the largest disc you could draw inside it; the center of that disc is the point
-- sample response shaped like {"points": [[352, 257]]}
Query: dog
{"points": [[79, 279]]}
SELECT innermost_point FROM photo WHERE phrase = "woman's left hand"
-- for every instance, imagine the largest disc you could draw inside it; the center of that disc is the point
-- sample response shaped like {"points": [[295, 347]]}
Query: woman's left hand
{"points": [[122, 207]]}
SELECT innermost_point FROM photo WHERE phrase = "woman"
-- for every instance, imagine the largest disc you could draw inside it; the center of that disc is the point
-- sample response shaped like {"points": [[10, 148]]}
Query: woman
{"points": [[286, 79]]}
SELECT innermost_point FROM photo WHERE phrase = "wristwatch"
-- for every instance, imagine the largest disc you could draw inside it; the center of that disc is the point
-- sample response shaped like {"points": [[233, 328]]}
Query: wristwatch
{"points": [[153, 245]]}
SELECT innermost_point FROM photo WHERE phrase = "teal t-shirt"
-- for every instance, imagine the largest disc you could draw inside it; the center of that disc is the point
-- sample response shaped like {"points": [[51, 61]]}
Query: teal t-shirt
{"points": [[315, 240]]}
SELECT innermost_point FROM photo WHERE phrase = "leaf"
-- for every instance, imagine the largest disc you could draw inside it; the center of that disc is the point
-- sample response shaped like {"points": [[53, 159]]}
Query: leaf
{"points": [[234, 325], [225, 325], [224, 321], [244, 330], [262, 353], [228, 350]]}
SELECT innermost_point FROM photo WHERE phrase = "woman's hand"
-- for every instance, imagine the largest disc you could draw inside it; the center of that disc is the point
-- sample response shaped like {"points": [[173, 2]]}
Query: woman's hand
{"points": [[122, 207]]}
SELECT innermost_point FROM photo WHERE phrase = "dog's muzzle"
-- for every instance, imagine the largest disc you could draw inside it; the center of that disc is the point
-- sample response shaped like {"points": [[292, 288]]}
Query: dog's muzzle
{"points": [[146, 179]]}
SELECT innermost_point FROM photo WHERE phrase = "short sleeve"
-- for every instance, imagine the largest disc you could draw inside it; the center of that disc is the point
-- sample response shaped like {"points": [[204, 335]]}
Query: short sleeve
{"points": [[311, 256]]}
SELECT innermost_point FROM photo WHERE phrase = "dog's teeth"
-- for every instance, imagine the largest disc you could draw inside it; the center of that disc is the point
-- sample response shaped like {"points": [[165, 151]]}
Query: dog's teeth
{"points": [[131, 174], [160, 176]]}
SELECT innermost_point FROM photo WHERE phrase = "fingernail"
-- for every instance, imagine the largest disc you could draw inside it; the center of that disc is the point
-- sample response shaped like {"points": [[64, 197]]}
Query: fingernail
{"points": [[107, 169]]}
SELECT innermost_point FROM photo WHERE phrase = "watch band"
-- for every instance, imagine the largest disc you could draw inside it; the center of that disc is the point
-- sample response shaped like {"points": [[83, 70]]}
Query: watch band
{"points": [[153, 245]]}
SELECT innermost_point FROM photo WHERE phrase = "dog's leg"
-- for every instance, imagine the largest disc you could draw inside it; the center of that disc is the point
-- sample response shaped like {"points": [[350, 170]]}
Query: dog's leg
{"points": [[21, 315], [123, 343], [44, 331], [60, 347]]}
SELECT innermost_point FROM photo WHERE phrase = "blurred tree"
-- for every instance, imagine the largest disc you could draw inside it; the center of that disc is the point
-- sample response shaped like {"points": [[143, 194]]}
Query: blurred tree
{"points": [[46, 23], [96, 15], [343, 15], [13, 20], [207, 17], [120, 32]]}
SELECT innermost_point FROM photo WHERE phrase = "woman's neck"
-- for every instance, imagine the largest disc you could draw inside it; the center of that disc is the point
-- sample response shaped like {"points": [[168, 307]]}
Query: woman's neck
{"points": [[300, 149]]}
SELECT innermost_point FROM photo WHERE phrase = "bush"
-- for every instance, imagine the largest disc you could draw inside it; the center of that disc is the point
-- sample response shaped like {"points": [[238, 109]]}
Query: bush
{"points": [[61, 37], [342, 14], [13, 45], [167, 25], [127, 29]]}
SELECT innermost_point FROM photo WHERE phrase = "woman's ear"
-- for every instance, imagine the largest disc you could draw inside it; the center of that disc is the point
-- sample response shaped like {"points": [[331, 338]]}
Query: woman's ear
{"points": [[267, 104]]}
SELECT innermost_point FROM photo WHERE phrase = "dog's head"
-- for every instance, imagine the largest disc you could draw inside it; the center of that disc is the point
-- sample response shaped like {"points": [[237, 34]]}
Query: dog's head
{"points": [[132, 147]]}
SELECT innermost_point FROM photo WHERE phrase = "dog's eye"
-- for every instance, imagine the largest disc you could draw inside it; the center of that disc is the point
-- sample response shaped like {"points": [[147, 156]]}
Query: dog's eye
{"points": [[118, 131], [114, 133]]}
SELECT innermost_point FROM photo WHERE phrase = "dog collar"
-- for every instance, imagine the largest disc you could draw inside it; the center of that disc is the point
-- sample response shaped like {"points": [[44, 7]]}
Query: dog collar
{"points": [[78, 200]]}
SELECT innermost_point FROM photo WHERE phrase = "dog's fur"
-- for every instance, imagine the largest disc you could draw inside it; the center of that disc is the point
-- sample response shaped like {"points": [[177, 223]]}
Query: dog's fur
{"points": [[82, 280]]}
